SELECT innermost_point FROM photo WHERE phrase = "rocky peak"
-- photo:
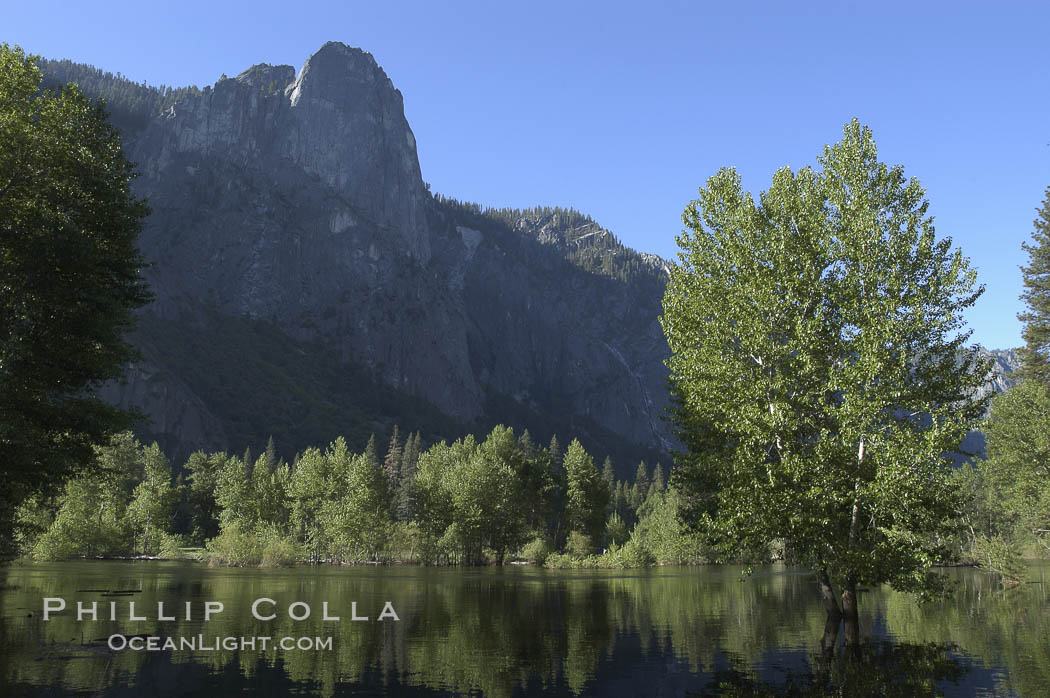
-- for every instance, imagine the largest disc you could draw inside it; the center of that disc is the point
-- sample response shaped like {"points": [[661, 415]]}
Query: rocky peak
{"points": [[339, 73], [349, 128], [340, 123], [267, 78]]}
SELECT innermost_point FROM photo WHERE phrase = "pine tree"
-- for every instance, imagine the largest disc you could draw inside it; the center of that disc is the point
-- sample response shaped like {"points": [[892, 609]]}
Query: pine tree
{"points": [[641, 485], [525, 444], [1035, 355], [658, 480], [372, 451], [392, 467], [608, 474], [270, 456], [409, 462], [554, 449]]}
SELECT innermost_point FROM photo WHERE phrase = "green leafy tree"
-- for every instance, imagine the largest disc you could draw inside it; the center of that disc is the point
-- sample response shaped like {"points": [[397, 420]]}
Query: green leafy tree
{"points": [[153, 501], [470, 497], [1035, 355], [234, 495], [1017, 470], [510, 491], [203, 473], [310, 487], [616, 532], [553, 460], [660, 530], [586, 494], [91, 513], [88, 522], [269, 484], [556, 455], [358, 520], [69, 280], [431, 493], [819, 371]]}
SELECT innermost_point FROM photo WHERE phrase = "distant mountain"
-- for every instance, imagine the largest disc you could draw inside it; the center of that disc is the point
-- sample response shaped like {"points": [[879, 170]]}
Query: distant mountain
{"points": [[309, 285], [1004, 365], [1002, 377]]}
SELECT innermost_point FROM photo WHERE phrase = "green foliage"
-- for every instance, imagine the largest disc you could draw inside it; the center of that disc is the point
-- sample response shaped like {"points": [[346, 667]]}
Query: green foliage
{"points": [[536, 551], [661, 531], [1014, 494], [170, 546], [632, 554], [234, 495], [311, 487], [468, 496], [579, 544], [616, 532], [404, 542], [69, 275], [234, 548], [1035, 355], [358, 518], [998, 555], [473, 503], [122, 508], [816, 336], [280, 552], [586, 495], [153, 501], [203, 471]]}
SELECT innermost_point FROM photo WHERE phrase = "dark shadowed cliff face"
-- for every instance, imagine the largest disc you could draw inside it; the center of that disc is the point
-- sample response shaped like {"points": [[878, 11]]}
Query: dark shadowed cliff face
{"points": [[304, 274]]}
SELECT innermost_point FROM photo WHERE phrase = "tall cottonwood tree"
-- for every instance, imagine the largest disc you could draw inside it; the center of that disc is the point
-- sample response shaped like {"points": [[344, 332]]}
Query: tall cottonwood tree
{"points": [[819, 371]]}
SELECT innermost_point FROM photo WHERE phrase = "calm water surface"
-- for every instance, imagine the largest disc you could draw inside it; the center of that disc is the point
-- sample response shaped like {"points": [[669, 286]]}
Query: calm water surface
{"points": [[514, 631]]}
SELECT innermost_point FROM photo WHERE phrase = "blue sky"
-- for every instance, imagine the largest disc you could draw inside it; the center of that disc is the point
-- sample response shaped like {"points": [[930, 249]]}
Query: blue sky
{"points": [[621, 110]]}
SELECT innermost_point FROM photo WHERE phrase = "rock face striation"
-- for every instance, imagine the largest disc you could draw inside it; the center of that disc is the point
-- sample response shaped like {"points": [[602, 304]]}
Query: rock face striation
{"points": [[289, 211]]}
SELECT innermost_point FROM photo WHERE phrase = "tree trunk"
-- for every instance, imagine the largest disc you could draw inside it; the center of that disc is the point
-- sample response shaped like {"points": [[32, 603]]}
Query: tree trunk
{"points": [[849, 612], [827, 594], [831, 605], [831, 634]]}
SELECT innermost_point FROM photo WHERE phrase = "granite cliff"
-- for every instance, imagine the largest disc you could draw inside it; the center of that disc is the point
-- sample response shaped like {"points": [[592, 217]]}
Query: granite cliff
{"points": [[308, 284]]}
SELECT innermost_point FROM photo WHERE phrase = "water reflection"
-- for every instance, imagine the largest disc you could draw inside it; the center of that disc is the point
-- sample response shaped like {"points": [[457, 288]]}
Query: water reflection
{"points": [[506, 632], [871, 668]]}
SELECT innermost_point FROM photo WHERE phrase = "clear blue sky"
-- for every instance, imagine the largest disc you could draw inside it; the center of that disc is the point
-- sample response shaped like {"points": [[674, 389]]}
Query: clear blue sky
{"points": [[621, 110]]}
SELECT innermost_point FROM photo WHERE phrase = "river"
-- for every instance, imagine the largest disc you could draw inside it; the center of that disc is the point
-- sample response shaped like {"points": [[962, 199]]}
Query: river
{"points": [[503, 632]]}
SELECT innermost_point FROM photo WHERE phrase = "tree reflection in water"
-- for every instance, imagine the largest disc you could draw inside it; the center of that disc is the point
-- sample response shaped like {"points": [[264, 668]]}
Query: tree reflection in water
{"points": [[869, 668]]}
